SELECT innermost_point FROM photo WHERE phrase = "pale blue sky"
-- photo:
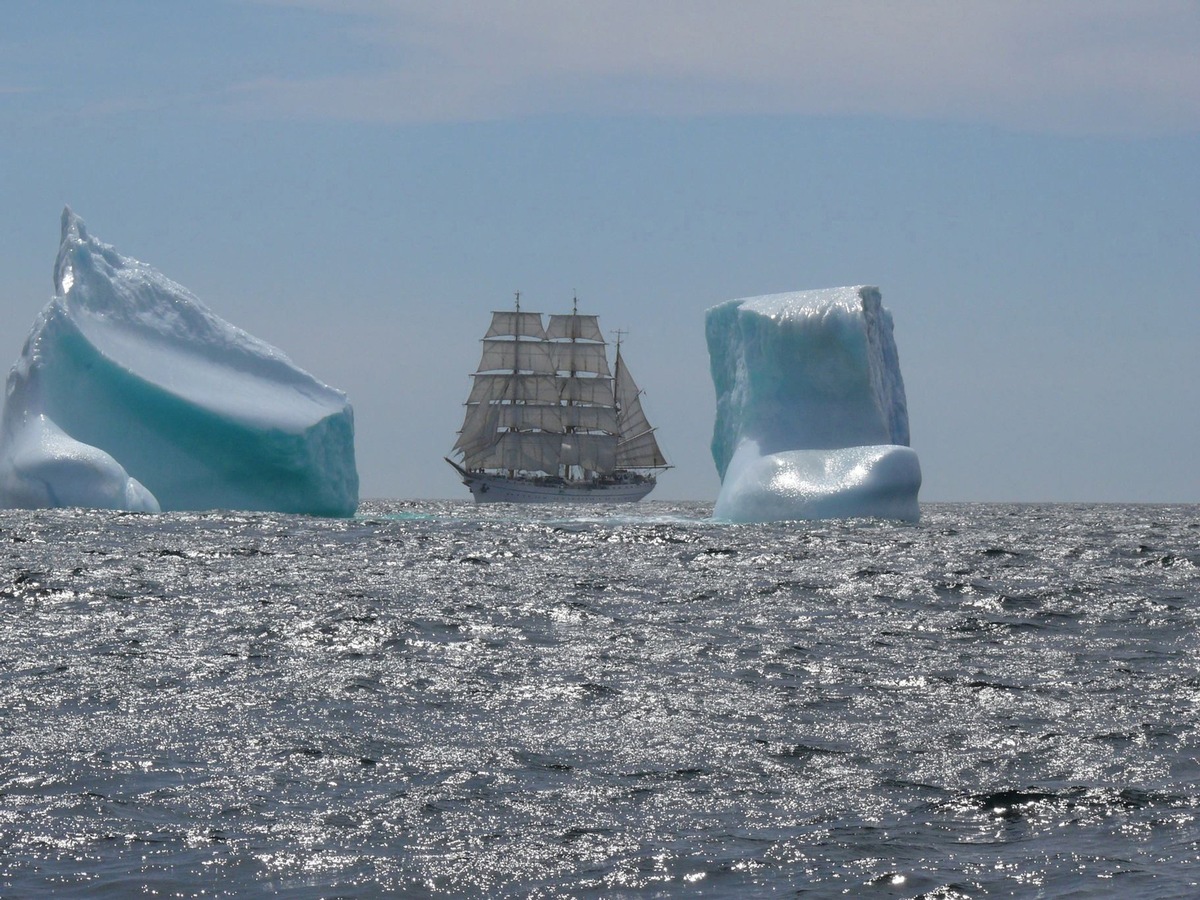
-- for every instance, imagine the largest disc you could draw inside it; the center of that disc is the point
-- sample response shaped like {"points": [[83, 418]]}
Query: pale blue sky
{"points": [[360, 182]]}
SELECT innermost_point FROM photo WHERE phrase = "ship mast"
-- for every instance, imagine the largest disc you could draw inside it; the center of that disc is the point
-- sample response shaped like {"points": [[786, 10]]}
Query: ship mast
{"points": [[619, 333], [568, 470], [516, 365]]}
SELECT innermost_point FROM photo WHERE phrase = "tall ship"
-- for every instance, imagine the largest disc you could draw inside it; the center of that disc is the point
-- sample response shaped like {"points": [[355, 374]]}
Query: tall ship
{"points": [[548, 421]]}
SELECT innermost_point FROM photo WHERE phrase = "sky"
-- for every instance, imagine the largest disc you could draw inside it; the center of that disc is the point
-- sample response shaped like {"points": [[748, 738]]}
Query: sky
{"points": [[360, 182]]}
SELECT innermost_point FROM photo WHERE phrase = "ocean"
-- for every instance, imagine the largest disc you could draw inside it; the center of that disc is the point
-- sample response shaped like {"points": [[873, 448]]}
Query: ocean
{"points": [[434, 699]]}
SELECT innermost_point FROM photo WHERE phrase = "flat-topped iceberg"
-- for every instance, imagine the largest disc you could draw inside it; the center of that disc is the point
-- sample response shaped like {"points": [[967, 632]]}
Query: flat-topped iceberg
{"points": [[130, 394], [811, 415]]}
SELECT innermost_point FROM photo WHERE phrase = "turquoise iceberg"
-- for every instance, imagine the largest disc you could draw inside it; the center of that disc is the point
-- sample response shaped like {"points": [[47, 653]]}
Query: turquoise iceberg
{"points": [[130, 394], [812, 420]]}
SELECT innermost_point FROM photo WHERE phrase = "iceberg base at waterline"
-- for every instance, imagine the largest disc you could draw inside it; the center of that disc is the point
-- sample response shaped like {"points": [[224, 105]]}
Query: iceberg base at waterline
{"points": [[877, 481], [130, 394], [43, 467]]}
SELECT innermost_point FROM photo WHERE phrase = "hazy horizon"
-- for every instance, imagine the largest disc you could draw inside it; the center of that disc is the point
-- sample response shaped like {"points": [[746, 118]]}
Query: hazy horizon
{"points": [[360, 183]]}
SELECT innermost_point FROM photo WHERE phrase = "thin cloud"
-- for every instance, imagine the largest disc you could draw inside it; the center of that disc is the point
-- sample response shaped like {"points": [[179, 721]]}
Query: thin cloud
{"points": [[1086, 66]]}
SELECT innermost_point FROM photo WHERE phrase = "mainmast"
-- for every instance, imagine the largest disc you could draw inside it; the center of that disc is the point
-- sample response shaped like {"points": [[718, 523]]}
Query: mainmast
{"points": [[570, 428], [619, 333], [516, 362]]}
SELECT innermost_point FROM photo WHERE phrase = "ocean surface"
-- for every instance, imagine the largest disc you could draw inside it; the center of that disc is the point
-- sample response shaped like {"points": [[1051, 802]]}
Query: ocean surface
{"points": [[435, 699]]}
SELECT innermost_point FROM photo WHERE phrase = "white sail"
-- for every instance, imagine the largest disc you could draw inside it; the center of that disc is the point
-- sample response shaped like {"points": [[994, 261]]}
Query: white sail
{"points": [[516, 324], [525, 388], [586, 390], [637, 448], [479, 433], [640, 452], [526, 356], [575, 327], [540, 451], [590, 418], [593, 452], [528, 416], [527, 451], [544, 400], [479, 428], [578, 357]]}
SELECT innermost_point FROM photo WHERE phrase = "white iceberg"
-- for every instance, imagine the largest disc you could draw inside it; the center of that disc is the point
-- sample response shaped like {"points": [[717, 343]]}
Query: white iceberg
{"points": [[130, 394], [811, 421]]}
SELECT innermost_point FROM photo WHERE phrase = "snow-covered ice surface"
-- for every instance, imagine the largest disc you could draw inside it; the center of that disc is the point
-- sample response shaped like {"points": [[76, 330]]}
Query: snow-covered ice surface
{"points": [[811, 416], [130, 394]]}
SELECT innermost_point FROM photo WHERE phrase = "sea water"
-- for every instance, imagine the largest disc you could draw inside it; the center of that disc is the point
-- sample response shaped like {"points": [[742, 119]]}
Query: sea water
{"points": [[437, 699]]}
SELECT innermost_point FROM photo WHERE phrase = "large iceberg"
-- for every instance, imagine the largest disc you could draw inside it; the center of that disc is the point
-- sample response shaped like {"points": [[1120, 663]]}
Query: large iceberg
{"points": [[812, 421], [130, 394]]}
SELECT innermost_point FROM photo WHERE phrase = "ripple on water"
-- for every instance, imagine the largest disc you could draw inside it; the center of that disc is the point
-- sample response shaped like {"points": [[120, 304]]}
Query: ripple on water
{"points": [[438, 698]]}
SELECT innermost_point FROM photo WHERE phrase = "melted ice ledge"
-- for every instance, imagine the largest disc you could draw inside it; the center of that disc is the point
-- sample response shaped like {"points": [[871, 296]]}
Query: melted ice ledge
{"points": [[811, 415], [131, 394]]}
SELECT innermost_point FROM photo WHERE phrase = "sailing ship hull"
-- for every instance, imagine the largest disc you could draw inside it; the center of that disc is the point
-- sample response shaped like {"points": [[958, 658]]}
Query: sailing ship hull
{"points": [[487, 488]]}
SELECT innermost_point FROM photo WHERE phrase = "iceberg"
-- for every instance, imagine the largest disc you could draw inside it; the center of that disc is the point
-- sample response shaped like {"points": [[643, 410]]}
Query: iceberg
{"points": [[812, 421], [130, 394]]}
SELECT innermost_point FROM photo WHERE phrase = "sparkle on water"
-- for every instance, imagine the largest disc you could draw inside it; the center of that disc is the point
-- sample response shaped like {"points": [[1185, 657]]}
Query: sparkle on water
{"points": [[442, 699]]}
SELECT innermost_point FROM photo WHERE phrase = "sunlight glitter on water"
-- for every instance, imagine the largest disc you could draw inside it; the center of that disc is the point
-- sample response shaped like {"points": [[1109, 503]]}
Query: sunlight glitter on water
{"points": [[442, 699]]}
